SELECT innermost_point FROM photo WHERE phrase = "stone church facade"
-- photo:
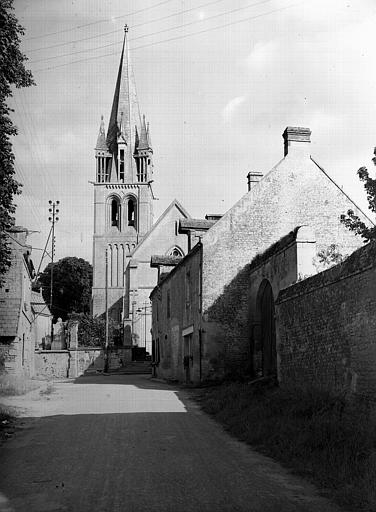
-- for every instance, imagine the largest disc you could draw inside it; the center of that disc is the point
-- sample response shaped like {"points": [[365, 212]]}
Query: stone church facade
{"points": [[124, 233]]}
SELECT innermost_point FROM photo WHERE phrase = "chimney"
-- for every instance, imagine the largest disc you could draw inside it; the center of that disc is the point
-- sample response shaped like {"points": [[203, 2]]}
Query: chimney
{"points": [[253, 177], [296, 138]]}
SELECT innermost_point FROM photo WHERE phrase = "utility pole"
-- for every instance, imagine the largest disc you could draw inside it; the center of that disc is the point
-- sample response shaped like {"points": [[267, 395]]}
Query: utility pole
{"points": [[145, 306], [53, 219], [106, 305]]}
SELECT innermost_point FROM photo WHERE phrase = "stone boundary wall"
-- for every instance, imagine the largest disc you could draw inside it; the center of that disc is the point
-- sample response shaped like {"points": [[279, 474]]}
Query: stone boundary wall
{"points": [[71, 363], [326, 327]]}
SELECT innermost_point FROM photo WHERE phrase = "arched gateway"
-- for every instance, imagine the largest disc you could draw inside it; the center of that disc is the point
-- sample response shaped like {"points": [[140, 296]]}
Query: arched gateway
{"points": [[266, 310]]}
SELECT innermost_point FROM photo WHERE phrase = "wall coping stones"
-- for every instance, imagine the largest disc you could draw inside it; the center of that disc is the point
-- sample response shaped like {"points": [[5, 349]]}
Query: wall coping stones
{"points": [[301, 234], [360, 260]]}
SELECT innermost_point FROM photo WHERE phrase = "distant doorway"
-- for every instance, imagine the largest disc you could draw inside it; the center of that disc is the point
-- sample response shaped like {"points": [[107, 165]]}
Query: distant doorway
{"points": [[188, 359], [265, 303]]}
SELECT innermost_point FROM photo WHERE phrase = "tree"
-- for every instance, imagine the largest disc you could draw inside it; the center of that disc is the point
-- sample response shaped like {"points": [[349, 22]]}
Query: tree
{"points": [[72, 281], [92, 330], [351, 220], [12, 73]]}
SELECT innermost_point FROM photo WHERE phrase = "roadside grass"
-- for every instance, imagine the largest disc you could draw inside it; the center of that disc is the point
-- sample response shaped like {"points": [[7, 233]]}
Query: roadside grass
{"points": [[7, 419], [13, 385], [319, 435]]}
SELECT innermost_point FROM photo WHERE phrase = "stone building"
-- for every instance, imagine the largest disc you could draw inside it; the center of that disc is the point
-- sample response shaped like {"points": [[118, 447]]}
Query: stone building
{"points": [[124, 232], [16, 315], [42, 319], [241, 263]]}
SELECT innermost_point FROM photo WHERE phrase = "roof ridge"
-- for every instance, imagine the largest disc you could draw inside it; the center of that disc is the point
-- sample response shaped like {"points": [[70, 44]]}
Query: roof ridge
{"points": [[339, 188]]}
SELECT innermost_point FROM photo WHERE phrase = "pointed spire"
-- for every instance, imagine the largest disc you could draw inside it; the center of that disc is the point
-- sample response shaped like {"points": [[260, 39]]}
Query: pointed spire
{"points": [[136, 138], [148, 134], [143, 144], [125, 109], [101, 141]]}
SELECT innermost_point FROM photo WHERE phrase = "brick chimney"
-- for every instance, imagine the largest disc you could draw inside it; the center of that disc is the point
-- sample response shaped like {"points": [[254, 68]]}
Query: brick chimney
{"points": [[296, 138], [253, 178]]}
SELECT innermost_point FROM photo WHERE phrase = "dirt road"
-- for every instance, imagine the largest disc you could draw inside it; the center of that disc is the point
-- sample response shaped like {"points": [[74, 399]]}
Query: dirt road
{"points": [[130, 444]]}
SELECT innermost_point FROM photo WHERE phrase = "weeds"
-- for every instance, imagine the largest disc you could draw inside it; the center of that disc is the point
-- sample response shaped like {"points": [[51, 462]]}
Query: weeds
{"points": [[11, 385], [318, 434]]}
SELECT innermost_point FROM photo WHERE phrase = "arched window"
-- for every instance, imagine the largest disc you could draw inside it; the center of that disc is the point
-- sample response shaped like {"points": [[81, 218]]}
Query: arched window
{"points": [[131, 213], [114, 212], [176, 251], [115, 217]]}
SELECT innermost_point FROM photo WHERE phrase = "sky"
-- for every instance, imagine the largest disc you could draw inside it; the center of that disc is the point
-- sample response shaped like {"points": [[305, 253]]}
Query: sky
{"points": [[218, 81]]}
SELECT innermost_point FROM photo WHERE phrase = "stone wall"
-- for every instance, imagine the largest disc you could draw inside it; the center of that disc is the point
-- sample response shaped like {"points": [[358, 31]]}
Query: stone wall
{"points": [[176, 303], [294, 193], [326, 327], [52, 364], [62, 364]]}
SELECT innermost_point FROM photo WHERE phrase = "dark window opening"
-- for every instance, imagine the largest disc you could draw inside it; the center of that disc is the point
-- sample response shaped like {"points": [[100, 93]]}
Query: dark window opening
{"points": [[121, 167], [114, 213], [168, 304], [131, 213]]}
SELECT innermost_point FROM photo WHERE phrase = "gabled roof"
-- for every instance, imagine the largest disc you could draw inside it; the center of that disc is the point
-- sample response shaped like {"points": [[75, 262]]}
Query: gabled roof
{"points": [[174, 204], [164, 261], [195, 225]]}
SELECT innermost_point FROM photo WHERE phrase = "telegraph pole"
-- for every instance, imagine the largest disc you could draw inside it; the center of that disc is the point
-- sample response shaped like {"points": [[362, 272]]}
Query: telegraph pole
{"points": [[105, 369], [53, 219]]}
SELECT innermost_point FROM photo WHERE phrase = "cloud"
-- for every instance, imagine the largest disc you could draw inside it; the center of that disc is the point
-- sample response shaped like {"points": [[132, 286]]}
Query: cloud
{"points": [[231, 107]]}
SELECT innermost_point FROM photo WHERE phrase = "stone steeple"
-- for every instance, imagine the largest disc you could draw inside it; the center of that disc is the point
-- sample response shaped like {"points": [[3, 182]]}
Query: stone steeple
{"points": [[127, 132]]}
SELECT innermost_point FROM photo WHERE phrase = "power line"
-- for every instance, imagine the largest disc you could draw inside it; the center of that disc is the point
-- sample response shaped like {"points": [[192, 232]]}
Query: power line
{"points": [[153, 33], [174, 38], [133, 26], [97, 22]]}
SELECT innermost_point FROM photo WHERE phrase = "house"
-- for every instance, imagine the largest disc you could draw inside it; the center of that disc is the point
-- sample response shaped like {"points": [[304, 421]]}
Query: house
{"points": [[41, 321], [125, 235], [16, 315], [213, 314]]}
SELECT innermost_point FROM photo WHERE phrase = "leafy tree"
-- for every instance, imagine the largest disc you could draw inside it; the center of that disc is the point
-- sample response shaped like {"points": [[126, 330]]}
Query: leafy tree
{"points": [[12, 73], [72, 281], [351, 220], [92, 330]]}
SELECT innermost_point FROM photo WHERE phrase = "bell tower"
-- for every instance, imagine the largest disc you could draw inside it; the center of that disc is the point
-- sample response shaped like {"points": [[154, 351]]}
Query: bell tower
{"points": [[123, 197]]}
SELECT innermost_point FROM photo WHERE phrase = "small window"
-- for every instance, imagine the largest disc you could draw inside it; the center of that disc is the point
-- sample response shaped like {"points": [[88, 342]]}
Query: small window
{"points": [[121, 165], [176, 251], [131, 212], [114, 213]]}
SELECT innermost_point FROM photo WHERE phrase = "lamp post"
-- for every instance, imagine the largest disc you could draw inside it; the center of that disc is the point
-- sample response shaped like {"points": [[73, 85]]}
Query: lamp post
{"points": [[143, 312], [53, 219]]}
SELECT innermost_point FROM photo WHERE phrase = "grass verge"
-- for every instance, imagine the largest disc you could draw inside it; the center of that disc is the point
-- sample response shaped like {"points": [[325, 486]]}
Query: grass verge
{"points": [[321, 436], [7, 420], [14, 385]]}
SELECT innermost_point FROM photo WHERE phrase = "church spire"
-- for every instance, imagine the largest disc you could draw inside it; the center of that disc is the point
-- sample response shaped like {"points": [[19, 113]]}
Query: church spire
{"points": [[125, 109]]}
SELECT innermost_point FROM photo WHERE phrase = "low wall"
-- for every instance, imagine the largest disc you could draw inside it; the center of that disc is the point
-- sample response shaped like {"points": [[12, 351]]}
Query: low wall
{"points": [[52, 364], [326, 326], [62, 364]]}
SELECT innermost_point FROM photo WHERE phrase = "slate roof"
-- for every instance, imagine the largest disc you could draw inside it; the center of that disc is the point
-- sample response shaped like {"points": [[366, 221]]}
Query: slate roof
{"points": [[38, 304]]}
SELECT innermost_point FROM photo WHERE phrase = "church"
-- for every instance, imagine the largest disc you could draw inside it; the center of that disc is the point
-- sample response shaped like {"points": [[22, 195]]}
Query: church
{"points": [[125, 235]]}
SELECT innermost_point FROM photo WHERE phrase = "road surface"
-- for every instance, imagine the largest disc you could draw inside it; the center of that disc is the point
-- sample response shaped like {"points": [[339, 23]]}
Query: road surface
{"points": [[126, 443]]}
